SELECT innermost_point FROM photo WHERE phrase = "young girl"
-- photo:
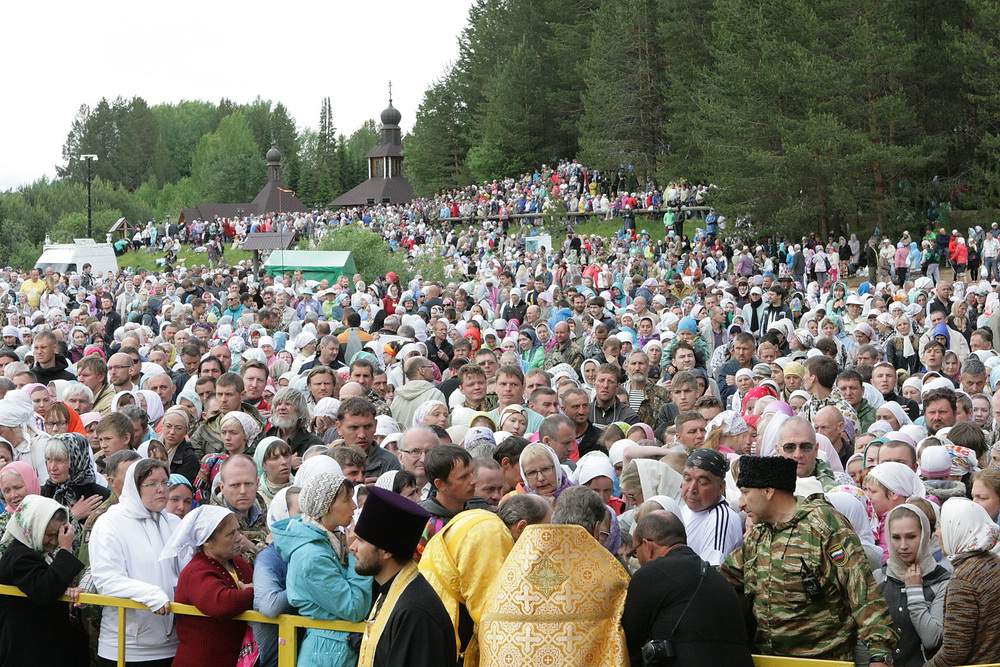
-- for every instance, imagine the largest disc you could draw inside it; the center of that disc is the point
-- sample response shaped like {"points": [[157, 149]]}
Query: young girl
{"points": [[914, 586], [888, 485]]}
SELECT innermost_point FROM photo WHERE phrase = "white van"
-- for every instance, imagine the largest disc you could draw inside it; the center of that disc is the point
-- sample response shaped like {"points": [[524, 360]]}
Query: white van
{"points": [[70, 257]]}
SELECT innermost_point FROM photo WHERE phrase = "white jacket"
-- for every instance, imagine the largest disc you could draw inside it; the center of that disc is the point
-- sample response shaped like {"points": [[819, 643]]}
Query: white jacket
{"points": [[125, 548]]}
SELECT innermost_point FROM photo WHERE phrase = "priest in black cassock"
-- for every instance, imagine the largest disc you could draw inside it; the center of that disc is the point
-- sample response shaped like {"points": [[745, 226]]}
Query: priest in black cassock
{"points": [[408, 626]]}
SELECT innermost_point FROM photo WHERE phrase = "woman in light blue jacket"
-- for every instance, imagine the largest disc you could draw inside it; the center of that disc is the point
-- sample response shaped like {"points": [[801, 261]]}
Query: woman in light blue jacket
{"points": [[321, 580]]}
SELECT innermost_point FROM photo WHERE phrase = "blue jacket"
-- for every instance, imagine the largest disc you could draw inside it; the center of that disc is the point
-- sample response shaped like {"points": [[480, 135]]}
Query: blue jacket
{"points": [[270, 599], [319, 586]]}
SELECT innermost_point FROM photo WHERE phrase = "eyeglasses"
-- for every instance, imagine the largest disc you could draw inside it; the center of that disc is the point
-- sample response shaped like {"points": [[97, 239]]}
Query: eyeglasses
{"points": [[119, 368], [541, 472], [155, 485], [804, 447], [414, 452]]}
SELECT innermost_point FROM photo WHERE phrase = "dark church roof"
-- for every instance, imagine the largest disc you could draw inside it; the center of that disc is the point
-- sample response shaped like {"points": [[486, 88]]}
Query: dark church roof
{"points": [[375, 191], [272, 198], [378, 189]]}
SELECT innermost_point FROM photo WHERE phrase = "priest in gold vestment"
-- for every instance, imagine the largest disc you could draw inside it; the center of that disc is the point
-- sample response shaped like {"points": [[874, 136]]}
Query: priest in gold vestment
{"points": [[559, 597]]}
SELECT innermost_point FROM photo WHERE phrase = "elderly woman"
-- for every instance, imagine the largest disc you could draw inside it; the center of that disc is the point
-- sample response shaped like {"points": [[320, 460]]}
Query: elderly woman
{"points": [[644, 478], [893, 412], [17, 480], [239, 430], [72, 479], [541, 473], [972, 600], [189, 401], [79, 397], [38, 559], [216, 580], [728, 432], [431, 413], [321, 581], [273, 457], [125, 547], [174, 427]]}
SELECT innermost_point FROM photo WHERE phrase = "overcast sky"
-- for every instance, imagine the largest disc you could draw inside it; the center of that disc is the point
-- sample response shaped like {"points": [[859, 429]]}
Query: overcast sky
{"points": [[59, 55]]}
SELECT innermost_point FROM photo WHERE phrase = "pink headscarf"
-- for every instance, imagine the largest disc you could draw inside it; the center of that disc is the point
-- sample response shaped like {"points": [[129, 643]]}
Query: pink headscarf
{"points": [[27, 473], [95, 349]]}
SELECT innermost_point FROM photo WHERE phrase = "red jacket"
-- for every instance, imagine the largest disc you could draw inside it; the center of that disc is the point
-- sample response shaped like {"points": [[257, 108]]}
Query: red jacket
{"points": [[209, 587]]}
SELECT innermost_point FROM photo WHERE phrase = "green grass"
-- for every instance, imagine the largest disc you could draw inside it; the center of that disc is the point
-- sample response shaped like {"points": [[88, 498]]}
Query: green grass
{"points": [[608, 228], [187, 257]]}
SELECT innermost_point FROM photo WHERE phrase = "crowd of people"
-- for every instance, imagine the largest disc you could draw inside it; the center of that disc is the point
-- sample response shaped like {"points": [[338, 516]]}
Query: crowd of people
{"points": [[618, 451]]}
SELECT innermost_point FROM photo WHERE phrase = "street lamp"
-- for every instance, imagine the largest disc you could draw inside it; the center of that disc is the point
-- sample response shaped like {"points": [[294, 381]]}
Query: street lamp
{"points": [[90, 209]]}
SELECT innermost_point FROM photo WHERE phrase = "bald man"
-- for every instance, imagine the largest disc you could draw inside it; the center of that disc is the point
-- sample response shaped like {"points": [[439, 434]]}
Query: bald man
{"points": [[708, 630], [829, 421], [350, 390], [164, 388]]}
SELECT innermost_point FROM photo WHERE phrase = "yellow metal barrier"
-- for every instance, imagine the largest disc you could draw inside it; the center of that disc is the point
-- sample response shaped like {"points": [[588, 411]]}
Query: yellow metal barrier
{"points": [[777, 661], [287, 623]]}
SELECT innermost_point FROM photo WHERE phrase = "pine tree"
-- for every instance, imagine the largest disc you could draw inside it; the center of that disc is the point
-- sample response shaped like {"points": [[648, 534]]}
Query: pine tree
{"points": [[435, 149], [227, 165], [512, 119], [285, 136], [623, 118]]}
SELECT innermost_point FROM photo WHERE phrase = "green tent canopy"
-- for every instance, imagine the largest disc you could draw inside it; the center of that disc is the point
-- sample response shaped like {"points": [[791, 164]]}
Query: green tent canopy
{"points": [[314, 264]]}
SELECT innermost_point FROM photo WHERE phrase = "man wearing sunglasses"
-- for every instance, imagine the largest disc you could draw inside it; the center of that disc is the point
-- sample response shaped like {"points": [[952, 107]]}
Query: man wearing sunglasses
{"points": [[797, 441]]}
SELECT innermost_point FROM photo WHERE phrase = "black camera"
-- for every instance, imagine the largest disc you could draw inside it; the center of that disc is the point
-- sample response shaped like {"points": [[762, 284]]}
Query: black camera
{"points": [[657, 652]]}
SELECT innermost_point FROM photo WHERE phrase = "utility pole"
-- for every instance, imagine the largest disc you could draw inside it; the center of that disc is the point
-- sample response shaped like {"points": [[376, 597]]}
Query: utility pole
{"points": [[90, 209]]}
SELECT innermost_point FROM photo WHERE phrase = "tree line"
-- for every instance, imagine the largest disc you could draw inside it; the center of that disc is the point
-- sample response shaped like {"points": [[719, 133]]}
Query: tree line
{"points": [[808, 114], [154, 160]]}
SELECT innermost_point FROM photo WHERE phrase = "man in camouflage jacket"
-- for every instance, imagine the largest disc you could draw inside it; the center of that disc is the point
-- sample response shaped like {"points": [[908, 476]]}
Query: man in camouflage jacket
{"points": [[803, 572], [565, 351]]}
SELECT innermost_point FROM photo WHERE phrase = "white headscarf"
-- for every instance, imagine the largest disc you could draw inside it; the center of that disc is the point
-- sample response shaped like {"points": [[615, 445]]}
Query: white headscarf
{"points": [[965, 526], [924, 556], [897, 411], [667, 503], [314, 466], [16, 408], [899, 479], [278, 509], [854, 510], [249, 425], [386, 479], [28, 524], [154, 405], [591, 465], [658, 479], [196, 528], [120, 395], [425, 409]]}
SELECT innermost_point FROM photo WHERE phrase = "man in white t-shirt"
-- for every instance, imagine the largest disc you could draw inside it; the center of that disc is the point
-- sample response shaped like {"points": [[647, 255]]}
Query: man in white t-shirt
{"points": [[713, 527]]}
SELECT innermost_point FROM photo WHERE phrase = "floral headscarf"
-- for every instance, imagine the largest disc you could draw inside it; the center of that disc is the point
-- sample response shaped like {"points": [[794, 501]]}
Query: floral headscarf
{"points": [[81, 469]]}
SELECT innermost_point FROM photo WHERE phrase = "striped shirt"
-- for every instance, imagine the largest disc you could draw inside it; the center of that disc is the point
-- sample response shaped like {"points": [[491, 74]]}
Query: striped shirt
{"points": [[714, 532]]}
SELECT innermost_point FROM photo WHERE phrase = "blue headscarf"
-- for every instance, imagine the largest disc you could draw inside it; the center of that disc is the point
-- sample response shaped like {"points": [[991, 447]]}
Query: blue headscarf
{"points": [[942, 330]]}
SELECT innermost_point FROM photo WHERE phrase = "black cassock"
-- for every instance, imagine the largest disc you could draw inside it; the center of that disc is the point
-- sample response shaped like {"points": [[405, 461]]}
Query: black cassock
{"points": [[419, 632]]}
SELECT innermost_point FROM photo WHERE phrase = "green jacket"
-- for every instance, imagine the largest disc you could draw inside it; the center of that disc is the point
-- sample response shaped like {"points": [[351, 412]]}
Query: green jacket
{"points": [[809, 586]]}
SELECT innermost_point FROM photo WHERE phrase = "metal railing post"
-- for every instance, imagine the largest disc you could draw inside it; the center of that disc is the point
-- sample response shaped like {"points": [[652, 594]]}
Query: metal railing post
{"points": [[121, 636], [286, 641]]}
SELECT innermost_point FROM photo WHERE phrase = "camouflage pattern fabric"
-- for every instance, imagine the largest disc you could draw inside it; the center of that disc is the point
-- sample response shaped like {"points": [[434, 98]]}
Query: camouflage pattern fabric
{"points": [[567, 353], [808, 585]]}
